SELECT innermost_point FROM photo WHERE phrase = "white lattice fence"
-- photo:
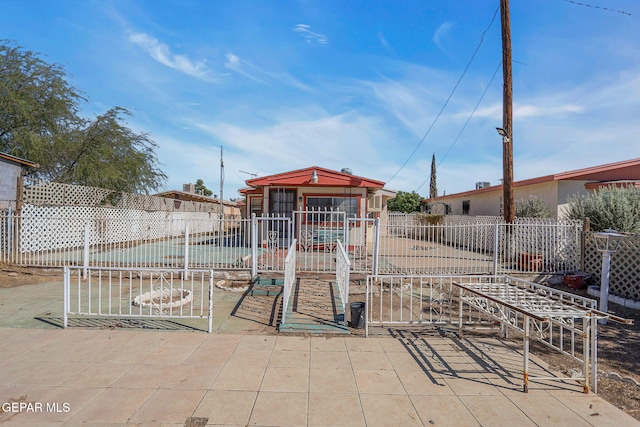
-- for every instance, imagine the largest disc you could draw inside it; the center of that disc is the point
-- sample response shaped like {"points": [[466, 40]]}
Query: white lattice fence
{"points": [[624, 280], [39, 193], [55, 194], [45, 228]]}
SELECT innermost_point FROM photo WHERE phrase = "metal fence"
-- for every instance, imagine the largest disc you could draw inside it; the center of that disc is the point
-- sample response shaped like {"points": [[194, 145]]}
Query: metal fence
{"points": [[197, 240], [289, 279], [343, 267], [488, 247], [147, 243], [560, 320], [138, 293]]}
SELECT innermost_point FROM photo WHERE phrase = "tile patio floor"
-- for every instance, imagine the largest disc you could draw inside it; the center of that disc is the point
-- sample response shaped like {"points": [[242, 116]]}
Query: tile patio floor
{"points": [[135, 377]]}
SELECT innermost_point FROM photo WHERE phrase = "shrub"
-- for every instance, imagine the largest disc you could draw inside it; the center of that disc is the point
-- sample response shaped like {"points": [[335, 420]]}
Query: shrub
{"points": [[610, 207], [533, 207], [429, 219]]}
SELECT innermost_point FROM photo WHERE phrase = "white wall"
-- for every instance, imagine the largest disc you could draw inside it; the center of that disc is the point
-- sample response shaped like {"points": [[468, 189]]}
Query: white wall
{"points": [[566, 190], [488, 202], [9, 173]]}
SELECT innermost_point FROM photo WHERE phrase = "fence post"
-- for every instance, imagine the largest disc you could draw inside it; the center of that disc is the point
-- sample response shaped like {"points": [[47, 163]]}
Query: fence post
{"points": [[254, 246], [6, 257], [376, 246], [210, 320], [586, 227], [85, 253], [186, 250], [496, 245], [66, 289]]}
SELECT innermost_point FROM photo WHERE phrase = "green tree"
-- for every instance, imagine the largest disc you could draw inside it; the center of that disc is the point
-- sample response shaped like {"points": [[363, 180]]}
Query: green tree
{"points": [[39, 121], [36, 103], [433, 187], [405, 202], [611, 207], [201, 189]]}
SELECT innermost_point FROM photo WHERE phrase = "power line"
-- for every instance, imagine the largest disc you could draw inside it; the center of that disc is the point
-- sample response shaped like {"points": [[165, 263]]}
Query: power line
{"points": [[465, 123], [598, 7], [450, 96]]}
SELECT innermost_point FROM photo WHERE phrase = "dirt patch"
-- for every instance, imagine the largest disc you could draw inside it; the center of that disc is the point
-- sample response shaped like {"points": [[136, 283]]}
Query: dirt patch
{"points": [[12, 276], [234, 285], [618, 362]]}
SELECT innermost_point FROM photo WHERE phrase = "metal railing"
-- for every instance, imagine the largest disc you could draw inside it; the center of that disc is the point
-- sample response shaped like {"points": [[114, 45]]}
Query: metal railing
{"points": [[260, 244], [144, 243], [436, 249], [139, 293], [289, 279], [343, 267], [400, 300], [535, 248], [560, 320]]}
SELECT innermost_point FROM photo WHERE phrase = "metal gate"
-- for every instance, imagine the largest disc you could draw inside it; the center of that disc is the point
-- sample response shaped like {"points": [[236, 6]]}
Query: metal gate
{"points": [[318, 233], [361, 244], [270, 238]]}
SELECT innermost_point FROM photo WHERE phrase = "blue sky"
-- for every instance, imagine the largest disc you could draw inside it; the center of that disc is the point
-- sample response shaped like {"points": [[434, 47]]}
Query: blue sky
{"points": [[285, 84]]}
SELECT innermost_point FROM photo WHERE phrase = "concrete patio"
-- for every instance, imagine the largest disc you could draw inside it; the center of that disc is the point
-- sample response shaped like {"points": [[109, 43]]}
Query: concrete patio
{"points": [[136, 377]]}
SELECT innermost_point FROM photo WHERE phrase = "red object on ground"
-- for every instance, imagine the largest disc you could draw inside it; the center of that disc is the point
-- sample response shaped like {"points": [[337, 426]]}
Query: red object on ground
{"points": [[576, 280]]}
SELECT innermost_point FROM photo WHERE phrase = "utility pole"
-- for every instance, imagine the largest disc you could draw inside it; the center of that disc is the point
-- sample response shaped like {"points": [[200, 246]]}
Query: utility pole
{"points": [[507, 115], [221, 186]]}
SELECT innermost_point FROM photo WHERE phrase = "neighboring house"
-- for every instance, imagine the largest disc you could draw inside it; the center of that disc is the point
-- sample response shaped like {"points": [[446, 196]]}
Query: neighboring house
{"points": [[316, 188], [231, 210], [12, 168], [554, 189]]}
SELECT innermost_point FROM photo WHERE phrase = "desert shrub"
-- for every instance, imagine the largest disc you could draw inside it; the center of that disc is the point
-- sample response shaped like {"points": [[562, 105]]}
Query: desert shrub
{"points": [[429, 219], [533, 207], [611, 207], [427, 233]]}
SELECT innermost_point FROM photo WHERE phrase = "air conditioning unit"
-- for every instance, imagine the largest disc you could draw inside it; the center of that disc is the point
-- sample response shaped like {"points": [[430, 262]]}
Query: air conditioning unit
{"points": [[482, 184], [189, 188], [375, 203]]}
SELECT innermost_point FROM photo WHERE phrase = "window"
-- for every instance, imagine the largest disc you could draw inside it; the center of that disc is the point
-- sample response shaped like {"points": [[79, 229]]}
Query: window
{"points": [[465, 207], [339, 204], [256, 206]]}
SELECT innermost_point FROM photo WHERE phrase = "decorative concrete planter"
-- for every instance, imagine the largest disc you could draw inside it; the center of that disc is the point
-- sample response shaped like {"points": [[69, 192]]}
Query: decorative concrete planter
{"points": [[165, 299]]}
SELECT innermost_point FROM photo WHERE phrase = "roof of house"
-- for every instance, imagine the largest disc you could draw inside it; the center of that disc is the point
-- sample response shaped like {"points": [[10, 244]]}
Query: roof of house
{"points": [[192, 197], [303, 178], [18, 160], [610, 172]]}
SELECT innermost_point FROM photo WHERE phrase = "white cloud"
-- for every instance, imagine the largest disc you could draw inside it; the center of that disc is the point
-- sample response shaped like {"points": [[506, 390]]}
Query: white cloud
{"points": [[249, 70], [161, 53], [305, 31], [526, 111], [240, 66], [347, 140], [441, 34]]}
